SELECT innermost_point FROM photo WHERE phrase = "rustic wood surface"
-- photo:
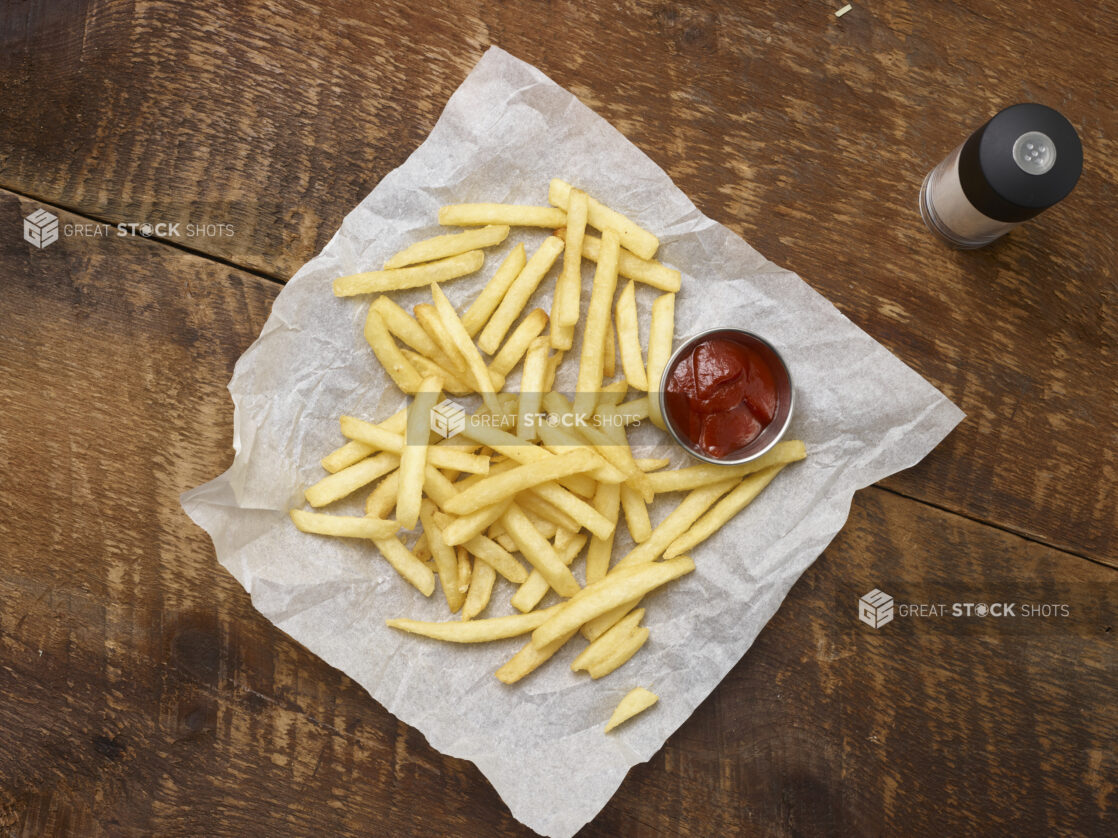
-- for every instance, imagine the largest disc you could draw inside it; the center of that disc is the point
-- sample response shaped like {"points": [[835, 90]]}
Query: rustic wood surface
{"points": [[139, 690]]}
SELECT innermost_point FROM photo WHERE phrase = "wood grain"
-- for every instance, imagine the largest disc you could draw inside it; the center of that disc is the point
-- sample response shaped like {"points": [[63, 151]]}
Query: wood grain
{"points": [[807, 134], [141, 694]]}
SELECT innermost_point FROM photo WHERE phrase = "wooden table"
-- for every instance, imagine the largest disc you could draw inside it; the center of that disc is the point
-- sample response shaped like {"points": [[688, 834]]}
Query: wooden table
{"points": [[140, 692]]}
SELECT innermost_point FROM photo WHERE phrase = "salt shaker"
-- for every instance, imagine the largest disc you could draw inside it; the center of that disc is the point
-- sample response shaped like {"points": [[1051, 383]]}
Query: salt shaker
{"points": [[1025, 159]]}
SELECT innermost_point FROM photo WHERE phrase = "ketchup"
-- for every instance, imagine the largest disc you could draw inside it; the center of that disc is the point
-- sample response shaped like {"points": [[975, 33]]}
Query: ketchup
{"points": [[720, 396]]}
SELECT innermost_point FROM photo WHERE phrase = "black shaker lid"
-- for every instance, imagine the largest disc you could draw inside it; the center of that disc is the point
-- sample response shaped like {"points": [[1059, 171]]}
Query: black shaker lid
{"points": [[1025, 159]]}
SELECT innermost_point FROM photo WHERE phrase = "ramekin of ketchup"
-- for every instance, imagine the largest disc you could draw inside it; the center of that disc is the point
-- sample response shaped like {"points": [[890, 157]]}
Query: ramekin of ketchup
{"points": [[726, 396]]}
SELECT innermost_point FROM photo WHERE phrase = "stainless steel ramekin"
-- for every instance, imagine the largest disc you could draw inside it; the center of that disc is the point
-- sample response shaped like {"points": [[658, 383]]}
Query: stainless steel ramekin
{"points": [[785, 397]]}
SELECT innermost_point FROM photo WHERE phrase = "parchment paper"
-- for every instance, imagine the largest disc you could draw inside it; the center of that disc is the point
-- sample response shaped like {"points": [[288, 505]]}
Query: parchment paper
{"points": [[863, 414]]}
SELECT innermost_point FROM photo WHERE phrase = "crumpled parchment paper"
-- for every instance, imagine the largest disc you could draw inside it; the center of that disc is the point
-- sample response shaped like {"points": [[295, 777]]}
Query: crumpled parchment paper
{"points": [[862, 413]]}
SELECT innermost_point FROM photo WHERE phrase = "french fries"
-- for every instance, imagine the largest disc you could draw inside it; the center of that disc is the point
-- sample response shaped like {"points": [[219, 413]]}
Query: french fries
{"points": [[343, 483], [630, 339], [487, 301], [637, 700], [636, 239], [413, 457], [341, 525], [513, 215], [517, 296], [659, 350], [526, 485], [621, 586], [597, 321], [646, 271], [397, 279], [564, 309], [475, 631], [441, 247]]}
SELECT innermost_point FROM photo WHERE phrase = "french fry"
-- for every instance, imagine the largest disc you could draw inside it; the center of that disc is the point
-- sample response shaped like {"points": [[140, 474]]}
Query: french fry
{"points": [[534, 504], [619, 586], [564, 538], [503, 442], [538, 552], [481, 589], [552, 368], [388, 353], [559, 440], [535, 588], [692, 477], [677, 523], [497, 487], [465, 345], [561, 337], [637, 700], [578, 509], [349, 480], [378, 282], [462, 529], [565, 308], [517, 296], [629, 339], [660, 335], [421, 549], [729, 506], [635, 239], [410, 332], [345, 455], [465, 569], [514, 215], [406, 564], [653, 464], [413, 457], [635, 411], [342, 525], [428, 317], [611, 394], [529, 658], [544, 527], [646, 271], [446, 561], [606, 645], [629, 647], [474, 631], [594, 335], [354, 451], [530, 328], [489, 552], [439, 247], [531, 388], [440, 456], [428, 369], [636, 514], [619, 456], [482, 308], [382, 499], [609, 357], [437, 486], [606, 503], [600, 625]]}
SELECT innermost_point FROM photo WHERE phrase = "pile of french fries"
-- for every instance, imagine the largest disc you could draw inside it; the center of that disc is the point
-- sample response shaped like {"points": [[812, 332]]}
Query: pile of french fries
{"points": [[532, 481]]}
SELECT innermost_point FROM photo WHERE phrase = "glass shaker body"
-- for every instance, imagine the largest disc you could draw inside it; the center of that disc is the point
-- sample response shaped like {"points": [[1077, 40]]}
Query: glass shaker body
{"points": [[947, 210]]}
